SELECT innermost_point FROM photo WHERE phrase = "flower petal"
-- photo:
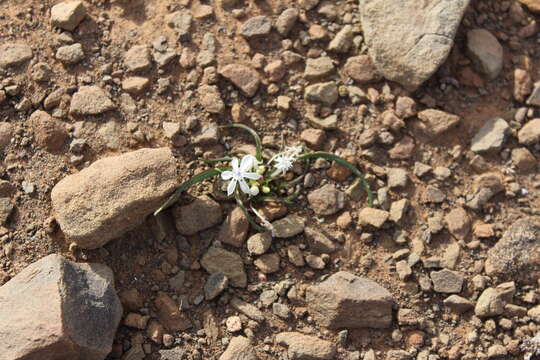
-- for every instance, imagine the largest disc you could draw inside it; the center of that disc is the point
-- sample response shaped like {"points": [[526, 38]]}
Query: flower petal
{"points": [[247, 163], [234, 163], [231, 187], [227, 175], [244, 187], [251, 175]]}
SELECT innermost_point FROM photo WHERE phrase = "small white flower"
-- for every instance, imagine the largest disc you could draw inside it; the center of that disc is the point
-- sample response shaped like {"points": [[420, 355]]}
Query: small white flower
{"points": [[284, 161], [241, 170], [265, 223]]}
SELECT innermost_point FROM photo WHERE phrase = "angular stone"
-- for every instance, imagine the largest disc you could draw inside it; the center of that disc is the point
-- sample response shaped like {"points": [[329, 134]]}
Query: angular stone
{"points": [[245, 78], [239, 348], [328, 123], [68, 14], [210, 99], [348, 301], [90, 100], [458, 304], [199, 215], [57, 309], [215, 285], [318, 242], [70, 54], [491, 136], [13, 54], [342, 42], [170, 314], [523, 159], [250, 310], [530, 133], [361, 69], [325, 93], [373, 217], [435, 122], [138, 58], [234, 229], [218, 260], [447, 281], [289, 226], [6, 133], [408, 40], [517, 254], [267, 263], [303, 347], [255, 27], [490, 303], [113, 195], [286, 20], [533, 5], [458, 223], [259, 243], [48, 132], [485, 51], [397, 178], [180, 21], [318, 68], [135, 84], [326, 200]]}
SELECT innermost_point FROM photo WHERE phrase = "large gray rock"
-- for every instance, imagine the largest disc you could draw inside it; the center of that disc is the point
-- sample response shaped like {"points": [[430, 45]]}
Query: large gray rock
{"points": [[348, 301], [408, 40], [113, 195], [57, 309], [517, 253]]}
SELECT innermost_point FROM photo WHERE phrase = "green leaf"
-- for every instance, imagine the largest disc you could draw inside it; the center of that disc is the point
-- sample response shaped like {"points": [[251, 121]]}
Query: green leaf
{"points": [[348, 165], [249, 217], [194, 180], [258, 143]]}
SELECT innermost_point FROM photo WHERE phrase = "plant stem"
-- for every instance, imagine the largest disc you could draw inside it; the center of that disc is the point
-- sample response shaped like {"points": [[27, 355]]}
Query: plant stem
{"points": [[258, 143], [352, 168], [249, 217], [194, 180]]}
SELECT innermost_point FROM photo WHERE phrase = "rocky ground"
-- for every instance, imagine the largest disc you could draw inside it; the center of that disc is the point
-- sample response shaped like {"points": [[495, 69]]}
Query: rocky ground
{"points": [[106, 106]]}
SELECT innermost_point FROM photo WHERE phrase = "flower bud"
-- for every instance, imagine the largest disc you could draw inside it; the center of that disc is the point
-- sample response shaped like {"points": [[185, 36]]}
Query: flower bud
{"points": [[265, 189], [254, 190]]}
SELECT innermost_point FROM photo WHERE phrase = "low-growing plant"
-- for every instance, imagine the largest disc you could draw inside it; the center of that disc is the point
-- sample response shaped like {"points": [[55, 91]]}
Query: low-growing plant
{"points": [[252, 179]]}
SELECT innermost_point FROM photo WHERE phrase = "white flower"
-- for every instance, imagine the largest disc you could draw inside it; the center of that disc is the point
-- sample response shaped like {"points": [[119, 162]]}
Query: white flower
{"points": [[241, 170], [265, 223], [284, 161]]}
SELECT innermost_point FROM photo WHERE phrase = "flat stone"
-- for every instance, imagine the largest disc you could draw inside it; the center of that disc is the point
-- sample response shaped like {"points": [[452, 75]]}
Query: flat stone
{"points": [[491, 136], [70, 54], [138, 58], [239, 348], [288, 226], [398, 178], [215, 285], [517, 253], [170, 314], [218, 260], [234, 229], [303, 347], [245, 78], [90, 100], [485, 51], [268, 263], [348, 301], [327, 123], [68, 14], [135, 85], [199, 215], [408, 40], [210, 99], [490, 303], [318, 242], [113, 195], [295, 255], [256, 27], [458, 304], [458, 223], [318, 68], [447, 281], [435, 122], [57, 305], [530, 133], [325, 93], [327, 200], [259, 243], [286, 21], [315, 262], [361, 69], [523, 159], [181, 22], [250, 310], [13, 54], [373, 217]]}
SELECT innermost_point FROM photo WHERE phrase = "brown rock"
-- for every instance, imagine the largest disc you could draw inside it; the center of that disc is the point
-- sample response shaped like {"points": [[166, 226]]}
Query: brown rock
{"points": [[373, 217], [275, 70], [239, 348], [523, 159], [135, 84], [169, 313], [245, 78], [458, 223], [197, 216], [155, 332], [113, 195], [303, 347], [90, 100], [361, 69], [313, 137], [6, 132], [57, 309], [14, 54], [68, 14], [210, 99], [435, 122], [522, 84], [234, 229], [405, 107], [268, 263], [403, 149], [218, 260], [48, 132], [530, 133], [348, 301], [326, 200], [533, 5]]}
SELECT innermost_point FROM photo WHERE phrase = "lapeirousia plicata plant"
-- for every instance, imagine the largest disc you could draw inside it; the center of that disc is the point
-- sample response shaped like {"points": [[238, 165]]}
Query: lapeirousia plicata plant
{"points": [[252, 179]]}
